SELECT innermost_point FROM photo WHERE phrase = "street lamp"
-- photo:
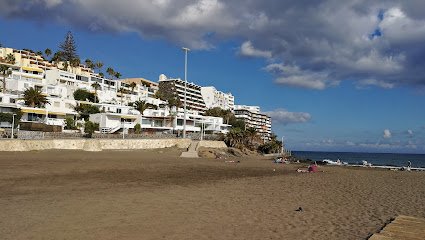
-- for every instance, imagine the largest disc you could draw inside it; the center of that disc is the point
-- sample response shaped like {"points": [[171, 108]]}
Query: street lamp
{"points": [[13, 123], [185, 85]]}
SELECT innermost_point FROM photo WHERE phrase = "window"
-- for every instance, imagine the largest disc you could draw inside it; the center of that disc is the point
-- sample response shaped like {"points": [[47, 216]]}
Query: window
{"points": [[1, 99], [118, 110], [125, 120], [146, 122], [179, 122], [82, 78], [12, 100], [34, 117], [158, 123]]}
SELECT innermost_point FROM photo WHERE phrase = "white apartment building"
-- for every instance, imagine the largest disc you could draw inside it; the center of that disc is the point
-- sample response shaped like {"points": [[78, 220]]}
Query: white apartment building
{"points": [[144, 90], [8, 105], [253, 118], [194, 99], [254, 109], [158, 120], [114, 98], [214, 98]]}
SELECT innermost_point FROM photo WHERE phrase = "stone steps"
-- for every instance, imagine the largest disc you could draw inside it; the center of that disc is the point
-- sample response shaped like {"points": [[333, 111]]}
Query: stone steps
{"points": [[192, 150]]}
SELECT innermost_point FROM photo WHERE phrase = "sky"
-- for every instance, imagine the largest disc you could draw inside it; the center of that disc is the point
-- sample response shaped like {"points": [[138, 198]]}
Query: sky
{"points": [[333, 75]]}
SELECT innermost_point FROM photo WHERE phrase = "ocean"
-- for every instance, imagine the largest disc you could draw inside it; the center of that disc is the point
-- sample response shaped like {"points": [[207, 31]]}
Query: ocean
{"points": [[387, 159]]}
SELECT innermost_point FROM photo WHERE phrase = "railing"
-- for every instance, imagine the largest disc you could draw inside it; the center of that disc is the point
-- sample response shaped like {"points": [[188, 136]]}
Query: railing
{"points": [[114, 129], [55, 122]]}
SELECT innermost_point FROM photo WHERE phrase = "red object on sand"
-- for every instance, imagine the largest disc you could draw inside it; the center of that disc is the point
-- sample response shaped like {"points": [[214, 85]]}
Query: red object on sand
{"points": [[312, 168]]}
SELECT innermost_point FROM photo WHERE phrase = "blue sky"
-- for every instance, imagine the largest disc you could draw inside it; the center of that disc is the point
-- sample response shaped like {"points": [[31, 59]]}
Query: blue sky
{"points": [[329, 81]]}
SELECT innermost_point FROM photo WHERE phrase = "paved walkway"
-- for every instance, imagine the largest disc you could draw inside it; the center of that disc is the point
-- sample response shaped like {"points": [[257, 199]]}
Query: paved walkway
{"points": [[403, 227], [192, 150]]}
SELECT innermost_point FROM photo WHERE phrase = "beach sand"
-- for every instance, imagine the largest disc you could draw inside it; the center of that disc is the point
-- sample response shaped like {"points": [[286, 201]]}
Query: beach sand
{"points": [[154, 194]]}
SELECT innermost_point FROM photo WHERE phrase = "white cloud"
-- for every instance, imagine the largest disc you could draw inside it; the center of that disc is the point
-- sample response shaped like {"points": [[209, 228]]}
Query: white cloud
{"points": [[387, 133], [248, 50], [373, 82], [376, 62], [328, 41], [282, 116], [52, 3], [292, 75]]}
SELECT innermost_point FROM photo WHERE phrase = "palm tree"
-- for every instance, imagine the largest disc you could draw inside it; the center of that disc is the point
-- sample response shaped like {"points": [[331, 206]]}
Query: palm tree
{"points": [[34, 97], [132, 86], [235, 138], [122, 91], [117, 75], [47, 52], [251, 137], [5, 69], [96, 87], [110, 72], [228, 114], [56, 57], [75, 62], [98, 65], [141, 106], [89, 63]]}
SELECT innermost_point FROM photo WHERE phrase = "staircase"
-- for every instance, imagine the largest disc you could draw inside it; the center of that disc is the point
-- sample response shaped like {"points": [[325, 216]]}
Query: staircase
{"points": [[191, 151], [112, 130]]}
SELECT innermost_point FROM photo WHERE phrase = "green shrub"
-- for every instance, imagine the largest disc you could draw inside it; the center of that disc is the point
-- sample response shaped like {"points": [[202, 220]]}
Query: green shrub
{"points": [[89, 128], [137, 128], [8, 117], [84, 95], [70, 123]]}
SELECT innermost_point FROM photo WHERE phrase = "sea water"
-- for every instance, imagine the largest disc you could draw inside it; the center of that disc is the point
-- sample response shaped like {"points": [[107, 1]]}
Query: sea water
{"points": [[385, 159]]}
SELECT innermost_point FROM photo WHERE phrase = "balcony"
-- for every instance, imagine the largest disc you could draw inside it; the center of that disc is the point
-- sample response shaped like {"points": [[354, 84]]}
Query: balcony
{"points": [[55, 122]]}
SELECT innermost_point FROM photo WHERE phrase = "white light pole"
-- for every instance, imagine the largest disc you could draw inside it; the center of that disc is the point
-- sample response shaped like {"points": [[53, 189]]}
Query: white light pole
{"points": [[282, 144], [202, 130], [185, 86], [13, 123]]}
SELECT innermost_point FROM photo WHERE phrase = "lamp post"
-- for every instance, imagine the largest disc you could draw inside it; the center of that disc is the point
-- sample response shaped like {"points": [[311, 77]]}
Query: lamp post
{"points": [[185, 86], [13, 123], [283, 147]]}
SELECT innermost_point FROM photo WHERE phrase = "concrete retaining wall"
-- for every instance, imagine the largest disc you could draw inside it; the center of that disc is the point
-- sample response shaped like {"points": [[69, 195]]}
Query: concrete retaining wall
{"points": [[91, 144], [212, 144]]}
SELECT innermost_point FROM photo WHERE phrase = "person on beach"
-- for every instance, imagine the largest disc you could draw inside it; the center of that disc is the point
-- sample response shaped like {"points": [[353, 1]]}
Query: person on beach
{"points": [[311, 169], [409, 165]]}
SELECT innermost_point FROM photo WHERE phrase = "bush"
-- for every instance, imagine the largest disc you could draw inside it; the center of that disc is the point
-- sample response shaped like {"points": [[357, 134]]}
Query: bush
{"points": [[84, 95], [89, 128], [70, 123], [272, 146], [137, 128], [8, 117], [84, 110]]}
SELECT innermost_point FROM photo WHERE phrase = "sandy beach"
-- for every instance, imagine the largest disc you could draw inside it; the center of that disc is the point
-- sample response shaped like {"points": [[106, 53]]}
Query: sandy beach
{"points": [[154, 194]]}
